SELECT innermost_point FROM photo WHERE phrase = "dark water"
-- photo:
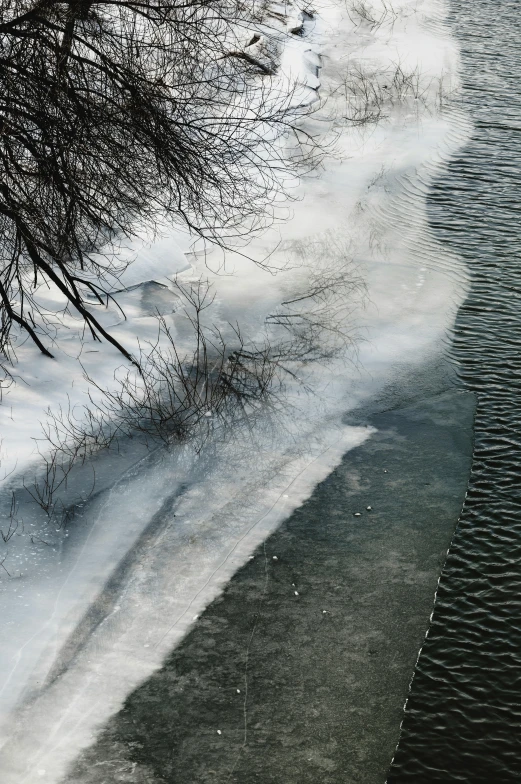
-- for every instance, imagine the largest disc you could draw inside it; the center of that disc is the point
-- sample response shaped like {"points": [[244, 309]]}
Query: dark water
{"points": [[463, 717]]}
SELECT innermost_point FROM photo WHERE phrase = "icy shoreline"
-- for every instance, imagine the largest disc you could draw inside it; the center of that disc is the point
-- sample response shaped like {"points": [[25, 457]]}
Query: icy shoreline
{"points": [[303, 662], [368, 206]]}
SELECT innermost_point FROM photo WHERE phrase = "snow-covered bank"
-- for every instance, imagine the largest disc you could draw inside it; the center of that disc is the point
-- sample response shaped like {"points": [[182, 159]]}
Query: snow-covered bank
{"points": [[363, 215]]}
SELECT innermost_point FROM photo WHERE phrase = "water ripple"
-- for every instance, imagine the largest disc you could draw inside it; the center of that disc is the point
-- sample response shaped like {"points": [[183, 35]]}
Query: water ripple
{"points": [[463, 716]]}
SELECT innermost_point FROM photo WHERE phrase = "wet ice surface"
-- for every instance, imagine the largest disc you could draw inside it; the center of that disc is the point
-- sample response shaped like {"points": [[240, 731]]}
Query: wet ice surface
{"points": [[195, 542], [92, 608], [303, 661]]}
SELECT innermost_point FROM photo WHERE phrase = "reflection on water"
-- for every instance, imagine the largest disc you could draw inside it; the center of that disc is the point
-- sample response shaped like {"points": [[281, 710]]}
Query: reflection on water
{"points": [[463, 716]]}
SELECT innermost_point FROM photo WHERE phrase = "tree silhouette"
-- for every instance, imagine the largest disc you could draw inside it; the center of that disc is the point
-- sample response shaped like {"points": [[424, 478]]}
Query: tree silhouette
{"points": [[118, 114]]}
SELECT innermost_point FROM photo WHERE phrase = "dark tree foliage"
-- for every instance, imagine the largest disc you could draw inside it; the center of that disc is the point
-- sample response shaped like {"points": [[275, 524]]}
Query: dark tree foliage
{"points": [[114, 114]]}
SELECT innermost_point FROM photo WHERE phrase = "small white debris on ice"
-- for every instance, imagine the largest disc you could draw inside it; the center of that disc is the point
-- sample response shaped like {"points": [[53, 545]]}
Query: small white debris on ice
{"points": [[357, 514], [195, 617], [369, 508], [324, 612], [219, 732], [296, 593], [385, 470], [275, 558], [208, 413], [238, 691]]}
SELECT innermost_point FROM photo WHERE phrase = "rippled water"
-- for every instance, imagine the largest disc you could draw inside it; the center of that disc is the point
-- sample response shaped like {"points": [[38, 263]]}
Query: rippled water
{"points": [[463, 716]]}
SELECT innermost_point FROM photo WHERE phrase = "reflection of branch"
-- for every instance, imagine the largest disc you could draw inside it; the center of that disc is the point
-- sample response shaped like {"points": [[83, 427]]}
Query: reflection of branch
{"points": [[367, 14], [4, 567], [369, 93], [174, 396], [38, 539], [14, 524], [318, 318], [217, 383]]}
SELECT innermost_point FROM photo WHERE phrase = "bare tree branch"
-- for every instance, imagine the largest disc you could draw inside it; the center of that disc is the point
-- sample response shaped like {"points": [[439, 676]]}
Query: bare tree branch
{"points": [[118, 115]]}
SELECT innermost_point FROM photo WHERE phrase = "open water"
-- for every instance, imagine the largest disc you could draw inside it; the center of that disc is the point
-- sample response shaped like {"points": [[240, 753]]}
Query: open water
{"points": [[463, 715]]}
